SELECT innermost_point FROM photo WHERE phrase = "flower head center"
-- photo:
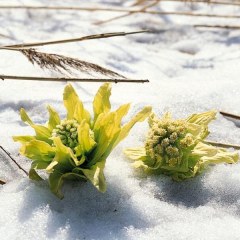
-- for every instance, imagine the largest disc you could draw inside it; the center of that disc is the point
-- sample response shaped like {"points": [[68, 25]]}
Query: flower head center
{"points": [[67, 131], [167, 140]]}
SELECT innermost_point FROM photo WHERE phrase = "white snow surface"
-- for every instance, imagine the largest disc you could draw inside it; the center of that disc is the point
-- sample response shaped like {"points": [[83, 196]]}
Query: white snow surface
{"points": [[190, 70]]}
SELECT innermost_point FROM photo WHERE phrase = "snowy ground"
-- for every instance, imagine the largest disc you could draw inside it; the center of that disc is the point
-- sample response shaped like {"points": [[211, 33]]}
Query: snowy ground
{"points": [[190, 70]]}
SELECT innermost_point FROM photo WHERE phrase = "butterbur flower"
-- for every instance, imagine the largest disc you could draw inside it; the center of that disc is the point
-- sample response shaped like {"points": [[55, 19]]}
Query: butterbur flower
{"points": [[176, 147], [77, 146]]}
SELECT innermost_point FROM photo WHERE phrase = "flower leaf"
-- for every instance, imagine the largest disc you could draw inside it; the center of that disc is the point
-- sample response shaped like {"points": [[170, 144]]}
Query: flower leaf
{"points": [[74, 106], [56, 180], [139, 117], [138, 153], [107, 129], [101, 102], [23, 139], [202, 118], [96, 176], [212, 155], [38, 150], [64, 156], [34, 175], [42, 133], [86, 141], [54, 118]]}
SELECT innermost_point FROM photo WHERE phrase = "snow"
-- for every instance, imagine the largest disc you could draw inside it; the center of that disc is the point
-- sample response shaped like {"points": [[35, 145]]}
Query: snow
{"points": [[190, 70]]}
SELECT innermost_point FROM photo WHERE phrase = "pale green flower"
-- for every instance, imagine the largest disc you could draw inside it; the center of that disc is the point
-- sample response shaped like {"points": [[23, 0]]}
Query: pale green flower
{"points": [[176, 147], [78, 146]]}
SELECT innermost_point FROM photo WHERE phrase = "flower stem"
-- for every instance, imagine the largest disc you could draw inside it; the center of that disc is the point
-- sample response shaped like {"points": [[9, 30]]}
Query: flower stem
{"points": [[9, 155], [224, 145]]}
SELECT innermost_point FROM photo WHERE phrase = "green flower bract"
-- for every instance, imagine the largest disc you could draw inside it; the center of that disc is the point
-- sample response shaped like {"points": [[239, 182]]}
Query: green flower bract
{"points": [[78, 146]]}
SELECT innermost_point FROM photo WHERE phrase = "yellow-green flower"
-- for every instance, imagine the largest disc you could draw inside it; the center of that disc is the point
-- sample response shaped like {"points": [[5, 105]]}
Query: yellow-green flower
{"points": [[176, 147], [78, 146]]}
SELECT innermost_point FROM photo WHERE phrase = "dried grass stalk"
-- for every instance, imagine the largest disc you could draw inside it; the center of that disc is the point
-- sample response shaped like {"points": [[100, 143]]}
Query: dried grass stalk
{"points": [[124, 10], [216, 26], [141, 2], [2, 182], [62, 79], [224, 145], [152, 4], [69, 40], [230, 115], [60, 63], [206, 1], [10, 157]]}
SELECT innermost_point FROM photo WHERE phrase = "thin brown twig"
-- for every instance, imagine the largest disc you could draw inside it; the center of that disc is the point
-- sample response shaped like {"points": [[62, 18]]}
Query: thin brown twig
{"points": [[230, 115], [224, 145], [5, 36], [216, 26], [2, 182], [231, 3], [9, 155], [189, 14], [128, 14], [36, 78], [121, 10], [69, 40]]}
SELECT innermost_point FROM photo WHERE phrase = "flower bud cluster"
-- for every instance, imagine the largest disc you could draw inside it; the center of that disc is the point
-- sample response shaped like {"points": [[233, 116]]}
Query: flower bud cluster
{"points": [[67, 131], [167, 139]]}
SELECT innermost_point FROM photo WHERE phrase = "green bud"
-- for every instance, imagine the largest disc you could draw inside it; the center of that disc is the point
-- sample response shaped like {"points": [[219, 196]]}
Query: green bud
{"points": [[73, 130], [67, 131], [167, 140]]}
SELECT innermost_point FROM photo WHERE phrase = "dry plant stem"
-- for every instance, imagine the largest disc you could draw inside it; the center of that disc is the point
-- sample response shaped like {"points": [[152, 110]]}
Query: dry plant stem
{"points": [[128, 14], [47, 79], [216, 26], [230, 115], [202, 1], [120, 10], [224, 145], [61, 41], [5, 36], [9, 155], [2, 182], [189, 14]]}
